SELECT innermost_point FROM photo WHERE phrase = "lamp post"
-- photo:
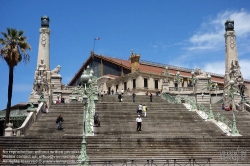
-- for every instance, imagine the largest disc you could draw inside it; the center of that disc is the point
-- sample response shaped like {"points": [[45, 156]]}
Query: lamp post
{"points": [[216, 86], [194, 81], [83, 158], [51, 92], [166, 73], [178, 79], [209, 86], [232, 92]]}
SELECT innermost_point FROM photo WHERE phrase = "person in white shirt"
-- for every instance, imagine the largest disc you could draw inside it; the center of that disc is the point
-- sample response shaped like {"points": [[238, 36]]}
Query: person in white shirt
{"points": [[138, 121], [140, 109], [122, 91]]}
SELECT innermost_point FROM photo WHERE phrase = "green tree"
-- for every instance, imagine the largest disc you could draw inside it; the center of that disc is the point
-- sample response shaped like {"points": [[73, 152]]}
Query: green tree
{"points": [[13, 49]]}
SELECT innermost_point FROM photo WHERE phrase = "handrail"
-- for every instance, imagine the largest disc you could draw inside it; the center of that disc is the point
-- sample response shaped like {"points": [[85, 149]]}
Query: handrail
{"points": [[222, 118], [169, 98], [219, 101], [191, 102], [30, 119], [202, 108], [247, 106]]}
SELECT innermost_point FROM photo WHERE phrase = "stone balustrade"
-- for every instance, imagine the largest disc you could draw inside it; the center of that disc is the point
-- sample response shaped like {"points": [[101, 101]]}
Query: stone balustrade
{"points": [[30, 119]]}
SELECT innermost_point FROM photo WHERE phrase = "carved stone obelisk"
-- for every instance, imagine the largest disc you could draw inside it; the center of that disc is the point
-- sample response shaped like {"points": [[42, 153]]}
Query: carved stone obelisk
{"points": [[232, 67], [42, 74], [44, 42]]}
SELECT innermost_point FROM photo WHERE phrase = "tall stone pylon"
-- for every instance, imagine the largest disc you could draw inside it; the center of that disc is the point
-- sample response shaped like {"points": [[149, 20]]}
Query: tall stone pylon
{"points": [[44, 43], [232, 67], [42, 76]]}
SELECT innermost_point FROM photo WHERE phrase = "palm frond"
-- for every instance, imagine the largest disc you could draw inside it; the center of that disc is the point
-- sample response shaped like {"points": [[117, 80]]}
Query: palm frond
{"points": [[15, 46]]}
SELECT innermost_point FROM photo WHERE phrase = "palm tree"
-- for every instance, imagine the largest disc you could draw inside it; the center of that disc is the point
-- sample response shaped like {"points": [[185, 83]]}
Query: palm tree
{"points": [[13, 50]]}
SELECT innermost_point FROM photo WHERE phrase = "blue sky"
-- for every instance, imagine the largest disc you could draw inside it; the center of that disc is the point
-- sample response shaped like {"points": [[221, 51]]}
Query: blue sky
{"points": [[186, 33]]}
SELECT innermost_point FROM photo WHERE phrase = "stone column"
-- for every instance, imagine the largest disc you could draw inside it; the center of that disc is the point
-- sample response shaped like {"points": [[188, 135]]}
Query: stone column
{"points": [[232, 67], [8, 130], [44, 43], [230, 48]]}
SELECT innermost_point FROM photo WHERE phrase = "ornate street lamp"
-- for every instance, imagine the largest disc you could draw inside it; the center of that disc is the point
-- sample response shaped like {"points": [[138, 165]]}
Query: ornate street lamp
{"points": [[215, 87], [83, 158], [51, 92], [166, 73], [209, 87], [178, 79], [232, 92], [193, 81]]}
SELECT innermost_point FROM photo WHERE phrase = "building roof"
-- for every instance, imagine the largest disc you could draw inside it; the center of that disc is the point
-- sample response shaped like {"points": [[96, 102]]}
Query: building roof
{"points": [[21, 105], [148, 67]]}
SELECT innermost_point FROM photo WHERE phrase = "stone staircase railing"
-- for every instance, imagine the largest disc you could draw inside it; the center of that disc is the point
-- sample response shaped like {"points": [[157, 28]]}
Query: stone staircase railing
{"points": [[202, 108], [191, 102], [30, 119], [169, 98], [220, 101], [247, 106], [180, 89], [220, 118]]}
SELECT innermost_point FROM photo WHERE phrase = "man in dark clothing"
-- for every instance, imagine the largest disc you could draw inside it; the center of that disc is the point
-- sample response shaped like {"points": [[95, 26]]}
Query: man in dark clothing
{"points": [[97, 120], [59, 121], [133, 95], [151, 97], [138, 122], [120, 97]]}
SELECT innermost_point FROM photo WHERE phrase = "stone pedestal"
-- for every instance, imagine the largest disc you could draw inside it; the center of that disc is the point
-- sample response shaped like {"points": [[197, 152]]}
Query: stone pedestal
{"points": [[56, 90], [165, 88], [9, 130], [36, 98], [201, 85]]}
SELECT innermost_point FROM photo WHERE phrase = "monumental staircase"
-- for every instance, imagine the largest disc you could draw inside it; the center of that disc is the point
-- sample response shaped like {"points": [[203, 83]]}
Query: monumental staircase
{"points": [[170, 133]]}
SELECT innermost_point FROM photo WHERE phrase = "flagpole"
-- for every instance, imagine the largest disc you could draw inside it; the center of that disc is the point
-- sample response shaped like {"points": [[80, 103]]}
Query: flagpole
{"points": [[94, 46]]}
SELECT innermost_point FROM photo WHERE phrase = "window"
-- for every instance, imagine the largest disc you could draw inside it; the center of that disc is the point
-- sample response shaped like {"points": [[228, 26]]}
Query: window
{"points": [[125, 86], [134, 83], [189, 84], [116, 88], [145, 82], [156, 84]]}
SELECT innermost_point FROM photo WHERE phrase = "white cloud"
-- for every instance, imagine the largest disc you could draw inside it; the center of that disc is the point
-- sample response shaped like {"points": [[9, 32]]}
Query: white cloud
{"points": [[214, 67], [209, 38]]}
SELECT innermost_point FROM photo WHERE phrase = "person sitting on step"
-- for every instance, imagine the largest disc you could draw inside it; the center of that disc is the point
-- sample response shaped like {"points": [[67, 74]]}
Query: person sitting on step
{"points": [[228, 108]]}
